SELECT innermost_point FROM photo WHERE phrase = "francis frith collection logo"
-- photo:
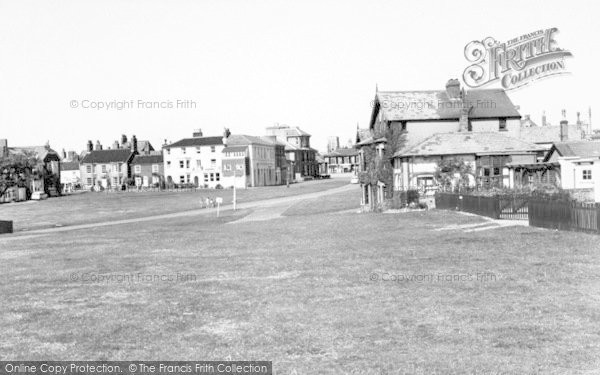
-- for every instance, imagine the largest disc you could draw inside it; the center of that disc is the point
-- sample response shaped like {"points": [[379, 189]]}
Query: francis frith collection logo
{"points": [[514, 63]]}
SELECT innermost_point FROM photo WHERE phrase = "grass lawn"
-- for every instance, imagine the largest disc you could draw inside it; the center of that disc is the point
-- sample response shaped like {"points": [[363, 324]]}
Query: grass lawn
{"points": [[322, 291], [93, 207]]}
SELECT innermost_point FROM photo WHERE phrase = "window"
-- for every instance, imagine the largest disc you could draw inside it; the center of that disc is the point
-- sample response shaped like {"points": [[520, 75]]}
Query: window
{"points": [[212, 176], [587, 174], [187, 178], [227, 167], [183, 150], [217, 176], [88, 169], [137, 169], [239, 167], [103, 168], [502, 124], [154, 168], [206, 177], [187, 164], [199, 163], [89, 181], [213, 163], [168, 163], [182, 179], [496, 171], [197, 149], [486, 172], [212, 149], [403, 126], [180, 163], [168, 151]]}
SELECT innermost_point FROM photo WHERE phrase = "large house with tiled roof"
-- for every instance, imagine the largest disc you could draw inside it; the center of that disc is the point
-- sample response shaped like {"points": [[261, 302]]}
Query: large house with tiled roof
{"points": [[424, 119], [487, 154]]}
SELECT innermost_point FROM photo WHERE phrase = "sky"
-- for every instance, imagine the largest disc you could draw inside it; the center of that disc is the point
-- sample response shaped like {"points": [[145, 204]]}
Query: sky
{"points": [[247, 65]]}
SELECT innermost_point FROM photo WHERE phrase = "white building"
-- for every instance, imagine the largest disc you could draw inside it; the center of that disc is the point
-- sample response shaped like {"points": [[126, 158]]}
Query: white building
{"points": [[196, 161]]}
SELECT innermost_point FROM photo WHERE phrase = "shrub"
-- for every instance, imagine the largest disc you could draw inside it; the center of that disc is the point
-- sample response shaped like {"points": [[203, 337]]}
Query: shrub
{"points": [[218, 186]]}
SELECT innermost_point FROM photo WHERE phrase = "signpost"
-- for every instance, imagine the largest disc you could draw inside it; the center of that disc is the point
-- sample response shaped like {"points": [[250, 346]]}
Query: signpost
{"points": [[219, 200]]}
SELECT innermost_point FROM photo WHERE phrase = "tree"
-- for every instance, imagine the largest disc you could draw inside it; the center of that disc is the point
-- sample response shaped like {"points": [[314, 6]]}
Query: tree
{"points": [[453, 173], [18, 170]]}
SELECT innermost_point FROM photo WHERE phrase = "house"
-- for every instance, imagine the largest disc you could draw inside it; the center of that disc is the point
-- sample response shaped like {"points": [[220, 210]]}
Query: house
{"points": [[412, 117], [578, 161], [196, 161], [297, 149], [70, 175], [342, 160], [107, 169], [47, 179], [546, 136], [486, 153], [251, 161], [148, 169]]}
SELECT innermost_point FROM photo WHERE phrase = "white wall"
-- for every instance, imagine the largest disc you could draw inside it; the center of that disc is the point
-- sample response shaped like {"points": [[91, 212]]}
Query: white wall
{"points": [[190, 154]]}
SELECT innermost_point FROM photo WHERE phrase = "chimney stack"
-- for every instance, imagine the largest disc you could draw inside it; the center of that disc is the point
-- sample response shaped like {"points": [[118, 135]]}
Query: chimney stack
{"points": [[453, 89], [116, 145], [134, 144], [226, 134], [64, 154], [197, 133], [123, 140], [564, 130], [3, 148], [544, 118], [90, 146], [98, 146]]}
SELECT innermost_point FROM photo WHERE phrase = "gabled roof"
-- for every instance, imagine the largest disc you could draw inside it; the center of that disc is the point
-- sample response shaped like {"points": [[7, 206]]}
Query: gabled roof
{"points": [[197, 141], [342, 152], [69, 166], [461, 143], [583, 149], [41, 152], [549, 134], [436, 105], [147, 159], [107, 156], [287, 131]]}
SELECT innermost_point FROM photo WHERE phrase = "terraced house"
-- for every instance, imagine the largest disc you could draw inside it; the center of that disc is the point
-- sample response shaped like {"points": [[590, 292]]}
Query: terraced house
{"points": [[106, 169]]}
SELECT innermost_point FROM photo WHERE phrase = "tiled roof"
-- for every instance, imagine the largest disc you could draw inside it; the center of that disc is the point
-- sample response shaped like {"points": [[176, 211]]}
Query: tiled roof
{"points": [[436, 105], [147, 159], [241, 139], [107, 156], [343, 152], [461, 143], [235, 149], [584, 149], [288, 131], [197, 141], [40, 151], [549, 134], [69, 166]]}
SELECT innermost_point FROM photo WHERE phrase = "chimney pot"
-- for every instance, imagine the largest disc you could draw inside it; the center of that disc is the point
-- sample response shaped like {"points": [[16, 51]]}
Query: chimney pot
{"points": [[453, 89], [564, 131]]}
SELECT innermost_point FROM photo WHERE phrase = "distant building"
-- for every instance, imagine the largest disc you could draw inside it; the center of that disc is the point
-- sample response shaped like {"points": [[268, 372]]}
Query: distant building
{"points": [[107, 169], [70, 175], [148, 170], [254, 161], [297, 149], [333, 143], [196, 160], [343, 160], [47, 181]]}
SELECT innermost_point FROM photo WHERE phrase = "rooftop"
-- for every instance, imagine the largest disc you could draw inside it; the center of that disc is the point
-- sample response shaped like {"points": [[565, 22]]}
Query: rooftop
{"points": [[436, 105], [197, 141], [107, 156], [461, 143]]}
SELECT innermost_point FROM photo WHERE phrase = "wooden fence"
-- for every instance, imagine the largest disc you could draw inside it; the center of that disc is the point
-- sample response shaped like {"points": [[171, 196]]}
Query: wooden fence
{"points": [[497, 207], [564, 215], [543, 213]]}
